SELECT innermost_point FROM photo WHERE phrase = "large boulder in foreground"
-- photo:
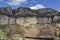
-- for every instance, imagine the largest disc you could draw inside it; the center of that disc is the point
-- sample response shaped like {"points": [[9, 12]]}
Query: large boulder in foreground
{"points": [[43, 32]]}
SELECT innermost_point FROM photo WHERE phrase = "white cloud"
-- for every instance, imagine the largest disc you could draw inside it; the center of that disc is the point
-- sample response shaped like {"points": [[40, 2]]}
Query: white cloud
{"points": [[59, 10], [16, 2], [38, 6]]}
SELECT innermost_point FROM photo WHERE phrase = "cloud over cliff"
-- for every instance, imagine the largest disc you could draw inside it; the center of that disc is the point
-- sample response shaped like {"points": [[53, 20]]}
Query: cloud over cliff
{"points": [[38, 6]]}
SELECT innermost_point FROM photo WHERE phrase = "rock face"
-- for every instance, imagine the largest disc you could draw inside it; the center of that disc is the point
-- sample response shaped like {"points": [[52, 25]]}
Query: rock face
{"points": [[21, 14], [27, 17], [44, 32], [3, 19], [40, 33], [6, 10]]}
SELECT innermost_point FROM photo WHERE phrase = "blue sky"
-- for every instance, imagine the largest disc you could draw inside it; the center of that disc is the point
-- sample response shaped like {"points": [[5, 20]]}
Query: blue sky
{"points": [[33, 4]]}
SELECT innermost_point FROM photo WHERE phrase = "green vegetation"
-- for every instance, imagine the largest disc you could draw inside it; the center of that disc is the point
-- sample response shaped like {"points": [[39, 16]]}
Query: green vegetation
{"points": [[3, 34], [58, 32], [18, 28], [27, 27]]}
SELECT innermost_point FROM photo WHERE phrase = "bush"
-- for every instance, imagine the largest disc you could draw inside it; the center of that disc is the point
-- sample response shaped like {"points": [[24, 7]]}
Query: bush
{"points": [[3, 34]]}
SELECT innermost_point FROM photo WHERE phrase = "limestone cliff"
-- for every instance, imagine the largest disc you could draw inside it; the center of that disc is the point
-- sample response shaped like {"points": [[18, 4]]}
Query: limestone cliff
{"points": [[24, 15]]}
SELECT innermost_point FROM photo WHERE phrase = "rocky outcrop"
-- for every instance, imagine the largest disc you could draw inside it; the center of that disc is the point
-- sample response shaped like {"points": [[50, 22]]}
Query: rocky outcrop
{"points": [[16, 15], [42, 32], [40, 12], [26, 17], [6, 10], [27, 11]]}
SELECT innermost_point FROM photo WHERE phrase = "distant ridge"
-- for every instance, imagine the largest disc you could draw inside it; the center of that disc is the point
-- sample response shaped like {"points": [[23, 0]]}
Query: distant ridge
{"points": [[28, 12]]}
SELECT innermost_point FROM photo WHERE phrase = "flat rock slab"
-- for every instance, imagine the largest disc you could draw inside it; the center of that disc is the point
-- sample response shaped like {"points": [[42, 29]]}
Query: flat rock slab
{"points": [[43, 32]]}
